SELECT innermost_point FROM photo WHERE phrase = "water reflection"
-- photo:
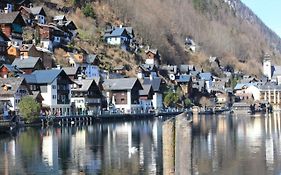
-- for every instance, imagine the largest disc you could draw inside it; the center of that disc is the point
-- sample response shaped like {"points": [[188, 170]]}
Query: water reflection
{"points": [[237, 145], [210, 145]]}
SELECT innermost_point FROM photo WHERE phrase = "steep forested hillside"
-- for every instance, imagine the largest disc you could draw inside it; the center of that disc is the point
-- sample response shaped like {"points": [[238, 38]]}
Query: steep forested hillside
{"points": [[222, 28]]}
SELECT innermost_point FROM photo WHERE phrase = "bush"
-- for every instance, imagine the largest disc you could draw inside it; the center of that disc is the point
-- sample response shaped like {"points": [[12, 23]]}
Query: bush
{"points": [[29, 108], [171, 99], [88, 11]]}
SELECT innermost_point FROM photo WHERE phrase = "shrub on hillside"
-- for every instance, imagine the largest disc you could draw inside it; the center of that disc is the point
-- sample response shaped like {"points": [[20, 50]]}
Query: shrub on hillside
{"points": [[88, 11]]}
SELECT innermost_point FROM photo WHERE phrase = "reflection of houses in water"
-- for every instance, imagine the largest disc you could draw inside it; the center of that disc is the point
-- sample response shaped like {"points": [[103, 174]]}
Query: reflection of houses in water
{"points": [[50, 149], [237, 145], [78, 147]]}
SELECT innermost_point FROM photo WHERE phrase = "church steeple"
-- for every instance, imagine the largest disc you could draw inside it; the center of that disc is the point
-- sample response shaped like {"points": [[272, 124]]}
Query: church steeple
{"points": [[267, 66]]}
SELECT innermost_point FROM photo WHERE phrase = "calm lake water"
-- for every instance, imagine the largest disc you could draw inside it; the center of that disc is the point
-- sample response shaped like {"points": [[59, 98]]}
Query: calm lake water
{"points": [[211, 145]]}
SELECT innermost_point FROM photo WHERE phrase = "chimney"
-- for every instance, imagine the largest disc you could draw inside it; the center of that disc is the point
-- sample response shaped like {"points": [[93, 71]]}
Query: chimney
{"points": [[151, 77], [30, 5], [79, 77], [6, 10], [120, 26], [21, 57], [58, 66]]}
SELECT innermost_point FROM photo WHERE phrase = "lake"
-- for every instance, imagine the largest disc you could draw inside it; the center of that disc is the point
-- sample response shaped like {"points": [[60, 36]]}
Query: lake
{"points": [[210, 145]]}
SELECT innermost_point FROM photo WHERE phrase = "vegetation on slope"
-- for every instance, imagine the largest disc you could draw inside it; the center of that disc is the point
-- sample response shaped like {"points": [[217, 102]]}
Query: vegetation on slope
{"points": [[218, 29]]}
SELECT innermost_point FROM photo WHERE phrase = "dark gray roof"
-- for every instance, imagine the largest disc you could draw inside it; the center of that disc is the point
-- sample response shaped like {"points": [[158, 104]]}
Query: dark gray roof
{"points": [[12, 83], [155, 83], [170, 69], [206, 76], [269, 86], [85, 84], [26, 63], [184, 68], [147, 67], [59, 17], [119, 84], [70, 70], [118, 32], [42, 76], [91, 58], [120, 67], [37, 10], [26, 47], [146, 89], [8, 18], [12, 68]]}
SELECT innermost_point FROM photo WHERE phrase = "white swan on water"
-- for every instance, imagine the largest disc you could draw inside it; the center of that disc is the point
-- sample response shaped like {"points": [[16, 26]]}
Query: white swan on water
{"points": [[133, 150]]}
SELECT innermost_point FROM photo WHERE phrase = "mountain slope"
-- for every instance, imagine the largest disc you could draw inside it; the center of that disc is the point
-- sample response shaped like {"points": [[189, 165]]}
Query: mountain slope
{"points": [[222, 28]]}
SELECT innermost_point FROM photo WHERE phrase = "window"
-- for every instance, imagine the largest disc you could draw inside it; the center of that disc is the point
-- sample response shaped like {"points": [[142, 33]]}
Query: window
{"points": [[54, 97], [54, 87]]}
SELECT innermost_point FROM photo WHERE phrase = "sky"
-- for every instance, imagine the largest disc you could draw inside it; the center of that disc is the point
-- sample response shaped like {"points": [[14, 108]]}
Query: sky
{"points": [[269, 11]]}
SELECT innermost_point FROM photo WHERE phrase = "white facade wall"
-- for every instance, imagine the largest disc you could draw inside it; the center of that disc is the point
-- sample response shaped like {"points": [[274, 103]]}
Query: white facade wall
{"points": [[114, 41], [149, 61], [253, 90], [267, 68], [157, 100]]}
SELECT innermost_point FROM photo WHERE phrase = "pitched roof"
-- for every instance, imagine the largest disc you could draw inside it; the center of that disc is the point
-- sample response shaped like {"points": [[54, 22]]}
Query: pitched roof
{"points": [[12, 68], [184, 68], [154, 51], [43, 76], [59, 17], [146, 89], [12, 83], [270, 86], [119, 84], [26, 47], [9, 18], [70, 70], [85, 84], [117, 32], [206, 76], [26, 63], [37, 10], [183, 78], [91, 58], [241, 85], [155, 83]]}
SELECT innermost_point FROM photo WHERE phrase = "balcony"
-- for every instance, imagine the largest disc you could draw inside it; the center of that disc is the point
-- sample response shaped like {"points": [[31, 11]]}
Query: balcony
{"points": [[66, 101]]}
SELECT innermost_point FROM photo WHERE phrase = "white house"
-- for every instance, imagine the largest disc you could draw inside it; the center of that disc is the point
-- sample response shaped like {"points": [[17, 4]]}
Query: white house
{"points": [[155, 82], [86, 96], [54, 86], [13, 89], [208, 78], [123, 94], [118, 36], [247, 91], [146, 97]]}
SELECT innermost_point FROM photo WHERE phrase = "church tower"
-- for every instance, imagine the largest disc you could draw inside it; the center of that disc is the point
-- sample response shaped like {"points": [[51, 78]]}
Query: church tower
{"points": [[267, 66]]}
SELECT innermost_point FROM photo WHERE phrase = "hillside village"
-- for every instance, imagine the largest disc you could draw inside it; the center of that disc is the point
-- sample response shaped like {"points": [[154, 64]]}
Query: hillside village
{"points": [[81, 85]]}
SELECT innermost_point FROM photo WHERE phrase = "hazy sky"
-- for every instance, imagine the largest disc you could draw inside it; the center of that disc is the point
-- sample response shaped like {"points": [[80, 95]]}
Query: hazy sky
{"points": [[269, 11]]}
